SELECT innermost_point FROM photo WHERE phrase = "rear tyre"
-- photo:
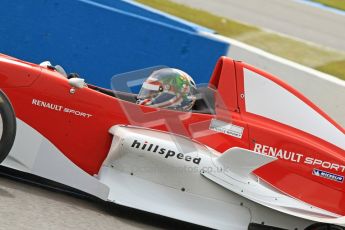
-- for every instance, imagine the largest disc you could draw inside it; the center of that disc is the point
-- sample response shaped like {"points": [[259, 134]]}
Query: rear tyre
{"points": [[8, 126], [324, 227]]}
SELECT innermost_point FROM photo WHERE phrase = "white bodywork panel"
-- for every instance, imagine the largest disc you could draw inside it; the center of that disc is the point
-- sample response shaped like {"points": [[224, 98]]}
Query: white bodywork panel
{"points": [[175, 187], [172, 202], [236, 165], [266, 98], [163, 182], [38, 156]]}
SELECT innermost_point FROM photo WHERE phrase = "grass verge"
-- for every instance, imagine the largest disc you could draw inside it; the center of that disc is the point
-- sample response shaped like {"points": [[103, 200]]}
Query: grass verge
{"points": [[334, 68], [294, 50], [221, 25], [325, 60], [338, 4]]}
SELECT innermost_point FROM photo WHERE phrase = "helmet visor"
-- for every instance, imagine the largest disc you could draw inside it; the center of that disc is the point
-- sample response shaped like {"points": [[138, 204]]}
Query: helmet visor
{"points": [[149, 90]]}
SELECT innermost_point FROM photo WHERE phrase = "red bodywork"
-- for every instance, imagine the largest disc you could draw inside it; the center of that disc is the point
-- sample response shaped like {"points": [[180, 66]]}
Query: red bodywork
{"points": [[86, 141]]}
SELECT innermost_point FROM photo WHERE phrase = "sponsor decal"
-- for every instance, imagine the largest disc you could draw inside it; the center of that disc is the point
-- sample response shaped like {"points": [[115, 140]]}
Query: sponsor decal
{"points": [[296, 157], [278, 153], [327, 175], [59, 108], [324, 164], [226, 128], [165, 152]]}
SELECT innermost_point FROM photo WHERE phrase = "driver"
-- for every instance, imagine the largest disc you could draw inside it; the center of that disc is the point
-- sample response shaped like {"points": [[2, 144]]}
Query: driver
{"points": [[168, 88]]}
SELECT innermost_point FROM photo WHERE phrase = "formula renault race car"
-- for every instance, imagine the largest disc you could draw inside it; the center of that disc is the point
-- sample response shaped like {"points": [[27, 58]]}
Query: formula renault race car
{"points": [[252, 152]]}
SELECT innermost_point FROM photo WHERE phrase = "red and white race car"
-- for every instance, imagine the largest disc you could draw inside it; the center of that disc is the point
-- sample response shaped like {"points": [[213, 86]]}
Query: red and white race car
{"points": [[253, 152]]}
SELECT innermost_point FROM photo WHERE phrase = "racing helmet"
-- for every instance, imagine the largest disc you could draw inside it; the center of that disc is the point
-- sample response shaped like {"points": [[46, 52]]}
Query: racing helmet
{"points": [[168, 88]]}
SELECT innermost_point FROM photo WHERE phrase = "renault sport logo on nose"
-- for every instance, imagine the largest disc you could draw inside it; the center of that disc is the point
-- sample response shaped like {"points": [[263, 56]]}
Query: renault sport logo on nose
{"points": [[327, 175]]}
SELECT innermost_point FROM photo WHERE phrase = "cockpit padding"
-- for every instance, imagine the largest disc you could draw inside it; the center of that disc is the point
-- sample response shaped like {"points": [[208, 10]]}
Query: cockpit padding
{"points": [[205, 102]]}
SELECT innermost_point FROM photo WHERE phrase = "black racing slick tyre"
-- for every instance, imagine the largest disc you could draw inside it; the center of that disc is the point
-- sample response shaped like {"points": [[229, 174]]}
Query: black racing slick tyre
{"points": [[324, 227], [8, 126]]}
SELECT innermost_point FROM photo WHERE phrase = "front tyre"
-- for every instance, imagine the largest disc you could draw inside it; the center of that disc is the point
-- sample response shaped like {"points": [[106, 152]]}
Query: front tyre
{"points": [[8, 126]]}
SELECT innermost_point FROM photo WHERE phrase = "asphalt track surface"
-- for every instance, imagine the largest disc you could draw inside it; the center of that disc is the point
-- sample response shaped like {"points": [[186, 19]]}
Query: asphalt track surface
{"points": [[288, 17], [24, 206]]}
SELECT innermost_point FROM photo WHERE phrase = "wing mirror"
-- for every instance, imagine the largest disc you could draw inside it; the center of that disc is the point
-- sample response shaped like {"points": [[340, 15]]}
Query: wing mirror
{"points": [[77, 82]]}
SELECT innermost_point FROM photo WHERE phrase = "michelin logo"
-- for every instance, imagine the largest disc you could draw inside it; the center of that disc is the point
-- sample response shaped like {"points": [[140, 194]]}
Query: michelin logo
{"points": [[327, 175]]}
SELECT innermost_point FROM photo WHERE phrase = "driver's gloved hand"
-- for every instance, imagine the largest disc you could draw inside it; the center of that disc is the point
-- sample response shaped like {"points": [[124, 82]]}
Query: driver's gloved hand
{"points": [[73, 75]]}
